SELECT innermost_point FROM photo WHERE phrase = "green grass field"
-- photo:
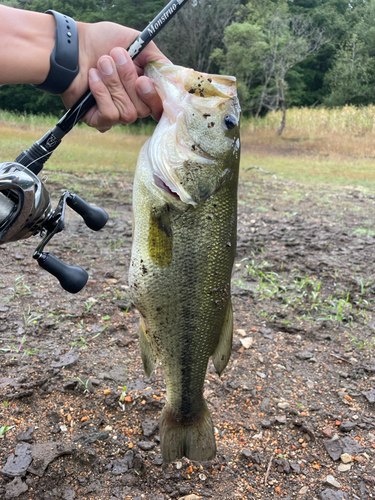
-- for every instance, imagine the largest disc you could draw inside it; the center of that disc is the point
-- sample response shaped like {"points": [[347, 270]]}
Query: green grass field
{"points": [[318, 146]]}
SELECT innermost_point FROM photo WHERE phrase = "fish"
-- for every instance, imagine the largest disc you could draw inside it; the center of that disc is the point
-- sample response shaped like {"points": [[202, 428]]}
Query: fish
{"points": [[183, 248]]}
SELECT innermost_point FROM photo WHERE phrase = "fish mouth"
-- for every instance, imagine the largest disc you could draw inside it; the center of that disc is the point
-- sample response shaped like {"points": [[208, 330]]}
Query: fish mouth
{"points": [[172, 147]]}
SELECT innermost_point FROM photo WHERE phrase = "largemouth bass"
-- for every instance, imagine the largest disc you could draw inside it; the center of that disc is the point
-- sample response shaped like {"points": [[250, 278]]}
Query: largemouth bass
{"points": [[184, 241]]}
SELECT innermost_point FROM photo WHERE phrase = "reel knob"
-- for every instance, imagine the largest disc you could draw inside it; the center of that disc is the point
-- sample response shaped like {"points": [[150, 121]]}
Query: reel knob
{"points": [[95, 218], [72, 278]]}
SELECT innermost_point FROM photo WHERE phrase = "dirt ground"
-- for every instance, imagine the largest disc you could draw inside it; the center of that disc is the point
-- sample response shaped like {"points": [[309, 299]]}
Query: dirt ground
{"points": [[294, 409]]}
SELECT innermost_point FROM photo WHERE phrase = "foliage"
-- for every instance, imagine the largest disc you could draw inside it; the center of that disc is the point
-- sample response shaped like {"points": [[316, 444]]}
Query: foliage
{"points": [[27, 99], [82, 10], [133, 13], [196, 31], [259, 41], [261, 52]]}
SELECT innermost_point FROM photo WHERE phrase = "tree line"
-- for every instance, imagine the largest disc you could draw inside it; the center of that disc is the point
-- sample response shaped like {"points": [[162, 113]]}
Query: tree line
{"points": [[283, 52]]}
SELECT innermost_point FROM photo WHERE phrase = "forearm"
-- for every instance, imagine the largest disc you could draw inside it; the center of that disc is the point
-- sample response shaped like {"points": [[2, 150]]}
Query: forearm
{"points": [[27, 40]]}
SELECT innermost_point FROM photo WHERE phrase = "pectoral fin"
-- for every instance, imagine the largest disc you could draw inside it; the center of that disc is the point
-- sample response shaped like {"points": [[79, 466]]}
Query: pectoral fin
{"points": [[148, 357], [223, 349]]}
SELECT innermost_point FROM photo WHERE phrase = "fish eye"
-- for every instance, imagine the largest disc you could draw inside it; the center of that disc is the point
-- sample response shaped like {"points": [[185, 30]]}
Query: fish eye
{"points": [[230, 122]]}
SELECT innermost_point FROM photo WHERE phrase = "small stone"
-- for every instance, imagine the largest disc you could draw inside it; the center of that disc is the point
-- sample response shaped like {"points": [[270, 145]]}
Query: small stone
{"points": [[310, 384], [327, 432], [347, 426], [304, 355], [370, 395], [149, 427], [67, 359], [265, 404], [18, 462], [266, 424], [351, 446], [247, 342], [346, 458], [27, 435], [191, 497], [296, 468], [331, 481], [261, 374], [329, 494], [283, 405], [15, 488], [334, 448], [280, 419], [45, 453], [146, 445], [246, 454], [303, 490], [108, 428], [344, 467]]}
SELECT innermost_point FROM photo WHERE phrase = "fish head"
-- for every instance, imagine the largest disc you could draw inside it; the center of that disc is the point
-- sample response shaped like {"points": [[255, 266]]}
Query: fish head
{"points": [[196, 144]]}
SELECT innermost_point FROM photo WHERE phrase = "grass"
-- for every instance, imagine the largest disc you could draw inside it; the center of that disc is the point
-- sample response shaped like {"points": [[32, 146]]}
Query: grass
{"points": [[319, 145], [333, 147], [304, 296]]}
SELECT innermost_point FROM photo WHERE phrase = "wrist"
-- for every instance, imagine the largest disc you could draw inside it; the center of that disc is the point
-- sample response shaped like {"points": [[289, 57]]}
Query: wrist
{"points": [[28, 40]]}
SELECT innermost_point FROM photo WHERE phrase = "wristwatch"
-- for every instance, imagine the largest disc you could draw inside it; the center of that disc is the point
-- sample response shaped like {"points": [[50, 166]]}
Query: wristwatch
{"points": [[64, 57]]}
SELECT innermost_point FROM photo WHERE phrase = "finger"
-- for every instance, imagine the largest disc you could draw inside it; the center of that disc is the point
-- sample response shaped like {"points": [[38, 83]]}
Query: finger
{"points": [[109, 75], [149, 96], [128, 77], [149, 53], [105, 113]]}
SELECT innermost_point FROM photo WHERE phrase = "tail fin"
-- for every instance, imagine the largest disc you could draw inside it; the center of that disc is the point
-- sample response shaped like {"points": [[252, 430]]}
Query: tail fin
{"points": [[194, 440]]}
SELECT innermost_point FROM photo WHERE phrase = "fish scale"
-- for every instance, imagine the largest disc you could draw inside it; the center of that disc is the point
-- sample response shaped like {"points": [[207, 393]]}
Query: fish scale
{"points": [[181, 264]]}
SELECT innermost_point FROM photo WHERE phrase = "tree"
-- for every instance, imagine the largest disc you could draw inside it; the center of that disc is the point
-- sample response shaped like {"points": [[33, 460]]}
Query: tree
{"points": [[245, 50], [290, 39], [349, 80], [261, 55], [196, 31]]}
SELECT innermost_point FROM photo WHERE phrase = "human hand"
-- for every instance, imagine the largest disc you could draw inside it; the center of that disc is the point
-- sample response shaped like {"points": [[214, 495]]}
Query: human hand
{"points": [[121, 91]]}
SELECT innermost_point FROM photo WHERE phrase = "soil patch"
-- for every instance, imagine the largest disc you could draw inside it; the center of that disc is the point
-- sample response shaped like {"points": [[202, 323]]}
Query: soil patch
{"points": [[294, 409]]}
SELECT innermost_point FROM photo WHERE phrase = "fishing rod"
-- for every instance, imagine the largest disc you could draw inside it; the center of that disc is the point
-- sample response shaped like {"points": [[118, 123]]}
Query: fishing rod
{"points": [[25, 204]]}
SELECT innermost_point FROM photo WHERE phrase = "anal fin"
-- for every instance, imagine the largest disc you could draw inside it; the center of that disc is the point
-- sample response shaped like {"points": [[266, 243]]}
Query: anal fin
{"points": [[223, 349], [148, 357]]}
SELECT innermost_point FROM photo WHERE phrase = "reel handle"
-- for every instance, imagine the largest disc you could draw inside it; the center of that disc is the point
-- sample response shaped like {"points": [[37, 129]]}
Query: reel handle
{"points": [[72, 278], [95, 218]]}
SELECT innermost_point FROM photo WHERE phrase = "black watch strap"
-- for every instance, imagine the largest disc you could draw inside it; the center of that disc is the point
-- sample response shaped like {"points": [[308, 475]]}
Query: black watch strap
{"points": [[64, 57]]}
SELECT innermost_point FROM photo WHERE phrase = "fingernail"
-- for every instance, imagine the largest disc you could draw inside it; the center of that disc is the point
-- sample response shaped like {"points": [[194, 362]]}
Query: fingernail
{"points": [[119, 57], [94, 75], [145, 86], [106, 66]]}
